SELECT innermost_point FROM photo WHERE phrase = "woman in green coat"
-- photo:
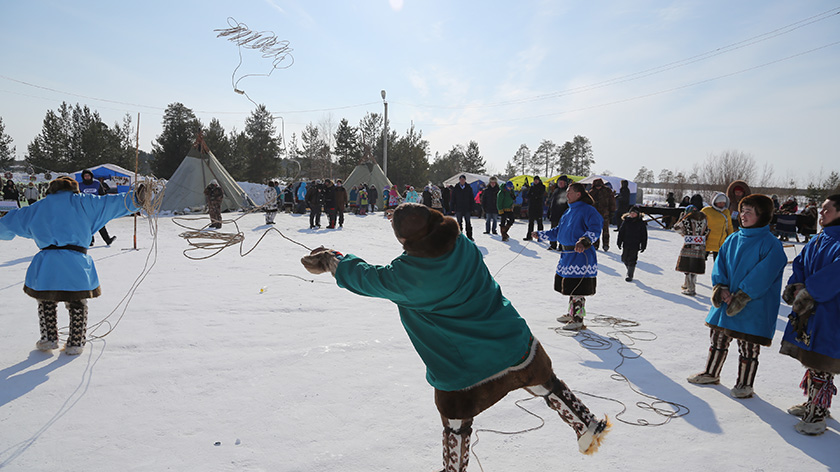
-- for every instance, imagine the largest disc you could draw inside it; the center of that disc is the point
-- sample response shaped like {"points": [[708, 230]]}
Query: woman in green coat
{"points": [[474, 344]]}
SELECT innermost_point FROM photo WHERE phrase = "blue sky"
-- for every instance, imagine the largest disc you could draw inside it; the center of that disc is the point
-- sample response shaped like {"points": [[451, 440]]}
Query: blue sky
{"points": [[638, 78]]}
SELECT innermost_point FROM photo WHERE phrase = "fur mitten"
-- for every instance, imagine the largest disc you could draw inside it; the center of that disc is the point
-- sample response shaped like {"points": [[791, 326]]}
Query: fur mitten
{"points": [[321, 260], [737, 303], [585, 241], [717, 295], [804, 303], [789, 291]]}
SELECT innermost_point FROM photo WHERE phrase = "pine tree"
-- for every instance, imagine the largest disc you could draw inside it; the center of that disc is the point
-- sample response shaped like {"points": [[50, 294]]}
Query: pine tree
{"points": [[583, 156], [522, 158], [237, 162], [408, 164], [7, 151], [473, 162], [217, 140], [311, 151], [263, 146], [447, 165], [180, 128], [347, 149], [75, 137], [545, 157], [370, 131]]}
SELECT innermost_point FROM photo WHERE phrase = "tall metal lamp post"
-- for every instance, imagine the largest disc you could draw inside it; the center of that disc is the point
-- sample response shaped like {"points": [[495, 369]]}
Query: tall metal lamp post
{"points": [[385, 139]]}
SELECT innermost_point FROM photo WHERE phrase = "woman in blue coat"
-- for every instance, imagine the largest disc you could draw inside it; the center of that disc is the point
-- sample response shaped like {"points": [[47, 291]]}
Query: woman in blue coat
{"points": [[61, 224], [812, 335], [579, 228], [747, 279]]}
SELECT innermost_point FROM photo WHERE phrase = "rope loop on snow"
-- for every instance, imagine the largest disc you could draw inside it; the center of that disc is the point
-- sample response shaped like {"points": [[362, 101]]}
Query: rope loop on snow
{"points": [[625, 338]]}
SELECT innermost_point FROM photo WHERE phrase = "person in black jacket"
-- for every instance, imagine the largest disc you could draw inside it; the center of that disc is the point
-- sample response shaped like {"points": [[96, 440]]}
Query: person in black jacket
{"points": [[536, 196], [373, 197], [462, 202], [329, 203], [632, 234], [557, 205], [427, 195], [10, 191], [488, 203], [446, 193], [622, 201], [315, 201]]}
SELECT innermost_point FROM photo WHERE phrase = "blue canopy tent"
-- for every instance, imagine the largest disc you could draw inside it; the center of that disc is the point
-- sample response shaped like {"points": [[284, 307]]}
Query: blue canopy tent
{"points": [[122, 178]]}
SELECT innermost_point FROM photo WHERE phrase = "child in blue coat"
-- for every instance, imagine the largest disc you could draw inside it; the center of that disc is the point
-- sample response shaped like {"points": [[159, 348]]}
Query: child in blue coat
{"points": [[747, 279]]}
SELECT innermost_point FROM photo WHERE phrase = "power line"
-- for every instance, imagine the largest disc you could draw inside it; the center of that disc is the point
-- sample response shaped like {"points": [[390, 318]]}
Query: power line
{"points": [[638, 97], [652, 71], [621, 79]]}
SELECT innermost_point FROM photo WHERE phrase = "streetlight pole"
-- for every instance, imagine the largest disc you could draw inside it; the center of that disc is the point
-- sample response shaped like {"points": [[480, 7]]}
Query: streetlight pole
{"points": [[385, 138]]}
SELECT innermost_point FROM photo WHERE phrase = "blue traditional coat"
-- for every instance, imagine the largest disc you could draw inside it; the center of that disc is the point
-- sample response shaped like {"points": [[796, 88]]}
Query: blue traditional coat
{"points": [[64, 219], [818, 267], [751, 260], [581, 219]]}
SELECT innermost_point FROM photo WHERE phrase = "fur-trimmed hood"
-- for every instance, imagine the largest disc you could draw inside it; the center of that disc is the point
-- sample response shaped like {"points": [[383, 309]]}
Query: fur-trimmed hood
{"points": [[423, 231], [730, 193]]}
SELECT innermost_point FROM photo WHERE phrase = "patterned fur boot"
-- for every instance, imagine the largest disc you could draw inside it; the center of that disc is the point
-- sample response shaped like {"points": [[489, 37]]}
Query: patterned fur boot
{"points": [[565, 318], [590, 431], [714, 364], [820, 388], [456, 445], [747, 367], [78, 327], [48, 323], [578, 311]]}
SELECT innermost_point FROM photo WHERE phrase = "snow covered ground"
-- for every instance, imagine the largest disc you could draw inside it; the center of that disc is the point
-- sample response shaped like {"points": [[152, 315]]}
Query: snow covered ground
{"points": [[204, 372]]}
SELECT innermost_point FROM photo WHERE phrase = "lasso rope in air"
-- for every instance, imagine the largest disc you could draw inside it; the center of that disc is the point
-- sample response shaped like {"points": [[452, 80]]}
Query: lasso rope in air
{"points": [[301, 278], [266, 42]]}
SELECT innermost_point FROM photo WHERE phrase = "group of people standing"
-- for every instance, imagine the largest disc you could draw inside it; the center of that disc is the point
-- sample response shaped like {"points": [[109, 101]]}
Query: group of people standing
{"points": [[30, 193], [747, 281], [329, 197]]}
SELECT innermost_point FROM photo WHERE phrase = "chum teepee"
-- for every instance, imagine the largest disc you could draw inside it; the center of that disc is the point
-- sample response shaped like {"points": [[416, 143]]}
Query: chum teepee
{"points": [[186, 187], [368, 173]]}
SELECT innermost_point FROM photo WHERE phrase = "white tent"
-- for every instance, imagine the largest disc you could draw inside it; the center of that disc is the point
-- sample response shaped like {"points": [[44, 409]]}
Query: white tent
{"points": [[615, 183], [186, 187], [470, 178]]}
